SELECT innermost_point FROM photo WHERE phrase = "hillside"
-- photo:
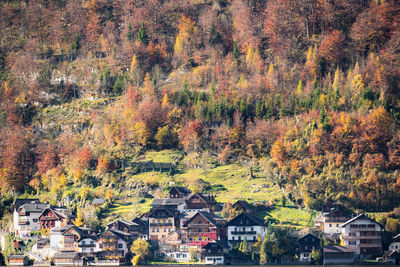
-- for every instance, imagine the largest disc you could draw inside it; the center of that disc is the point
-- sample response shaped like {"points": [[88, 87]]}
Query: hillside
{"points": [[262, 100]]}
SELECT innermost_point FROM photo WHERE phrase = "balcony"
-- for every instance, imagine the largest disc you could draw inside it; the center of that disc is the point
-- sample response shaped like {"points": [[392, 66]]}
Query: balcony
{"points": [[360, 237], [161, 224], [243, 232], [370, 245], [24, 222], [86, 245]]}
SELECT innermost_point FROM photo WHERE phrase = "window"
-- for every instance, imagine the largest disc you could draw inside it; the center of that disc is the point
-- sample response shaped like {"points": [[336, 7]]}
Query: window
{"points": [[352, 243], [83, 242], [100, 245], [158, 230], [337, 225], [233, 238], [254, 238], [240, 238], [152, 229], [169, 221], [91, 242], [330, 225], [306, 255], [91, 250], [200, 239], [119, 245]]}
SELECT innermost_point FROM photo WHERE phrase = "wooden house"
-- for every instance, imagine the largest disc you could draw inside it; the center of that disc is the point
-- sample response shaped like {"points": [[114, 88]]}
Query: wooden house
{"points": [[203, 228], [113, 245], [306, 244], [243, 206], [215, 252], [200, 201], [67, 259], [55, 217], [18, 260], [179, 192]]}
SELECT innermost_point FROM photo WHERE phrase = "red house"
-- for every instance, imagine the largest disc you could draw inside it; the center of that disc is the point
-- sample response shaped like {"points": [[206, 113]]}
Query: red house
{"points": [[202, 228]]}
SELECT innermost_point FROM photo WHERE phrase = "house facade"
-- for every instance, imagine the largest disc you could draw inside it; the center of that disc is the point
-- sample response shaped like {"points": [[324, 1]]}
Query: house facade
{"points": [[332, 222], [203, 228], [338, 255], [245, 226], [306, 245], [28, 218], [55, 217], [215, 252], [113, 245], [200, 201], [363, 234], [161, 222], [179, 192]]}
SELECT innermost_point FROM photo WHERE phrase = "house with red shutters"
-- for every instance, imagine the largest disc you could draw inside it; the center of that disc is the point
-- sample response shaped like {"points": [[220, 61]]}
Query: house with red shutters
{"points": [[55, 217], [203, 228]]}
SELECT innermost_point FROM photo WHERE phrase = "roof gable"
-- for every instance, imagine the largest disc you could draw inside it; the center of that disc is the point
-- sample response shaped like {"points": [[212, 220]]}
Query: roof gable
{"points": [[210, 217], [245, 219], [360, 217]]}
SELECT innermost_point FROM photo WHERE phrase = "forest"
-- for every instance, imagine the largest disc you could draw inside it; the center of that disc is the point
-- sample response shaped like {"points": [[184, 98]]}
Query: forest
{"points": [[306, 92]]}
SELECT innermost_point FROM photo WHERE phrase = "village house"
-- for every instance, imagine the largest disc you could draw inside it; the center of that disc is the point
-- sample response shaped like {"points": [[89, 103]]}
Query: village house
{"points": [[15, 206], [161, 222], [67, 259], [201, 201], [55, 217], [215, 252], [306, 245], [363, 234], [395, 244], [172, 248], [179, 192], [79, 239], [56, 238], [201, 229], [338, 255], [28, 218], [332, 217], [113, 245], [18, 260], [245, 226], [138, 228], [176, 204], [243, 206]]}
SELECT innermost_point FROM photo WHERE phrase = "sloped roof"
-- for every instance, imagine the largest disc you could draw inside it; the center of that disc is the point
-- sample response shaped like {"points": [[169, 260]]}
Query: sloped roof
{"points": [[253, 220], [182, 190], [33, 207], [211, 217], [66, 255], [167, 211], [17, 257], [19, 202], [361, 216], [167, 201], [338, 249], [243, 203], [219, 243], [203, 196], [308, 235]]}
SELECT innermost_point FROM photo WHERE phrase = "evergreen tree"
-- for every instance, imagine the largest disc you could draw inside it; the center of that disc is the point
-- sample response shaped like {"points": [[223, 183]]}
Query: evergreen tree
{"points": [[142, 34]]}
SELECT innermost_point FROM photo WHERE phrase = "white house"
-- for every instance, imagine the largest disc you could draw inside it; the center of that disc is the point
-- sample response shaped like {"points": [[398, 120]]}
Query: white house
{"points": [[27, 218], [363, 234], [245, 226], [332, 222], [395, 245]]}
